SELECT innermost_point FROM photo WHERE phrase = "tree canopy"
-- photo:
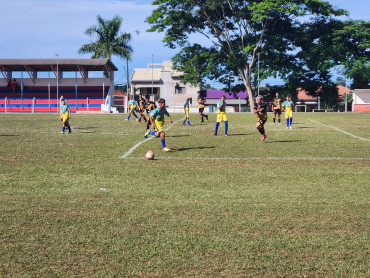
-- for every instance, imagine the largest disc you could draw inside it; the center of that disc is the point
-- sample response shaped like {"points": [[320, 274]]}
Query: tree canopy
{"points": [[237, 30], [110, 41]]}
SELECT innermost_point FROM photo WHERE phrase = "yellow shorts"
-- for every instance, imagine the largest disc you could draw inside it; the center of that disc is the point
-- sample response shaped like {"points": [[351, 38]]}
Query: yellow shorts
{"points": [[289, 114], [65, 117], [221, 117], [187, 113], [132, 108], [159, 124]]}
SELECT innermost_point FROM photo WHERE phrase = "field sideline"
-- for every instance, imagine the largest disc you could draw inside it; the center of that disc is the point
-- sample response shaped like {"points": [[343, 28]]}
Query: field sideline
{"points": [[216, 206]]}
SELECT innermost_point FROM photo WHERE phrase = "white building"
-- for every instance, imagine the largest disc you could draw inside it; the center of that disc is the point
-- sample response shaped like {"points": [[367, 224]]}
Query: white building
{"points": [[164, 82]]}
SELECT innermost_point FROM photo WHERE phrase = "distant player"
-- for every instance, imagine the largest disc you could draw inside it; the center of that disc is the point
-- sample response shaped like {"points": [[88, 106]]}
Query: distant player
{"points": [[149, 106], [141, 107], [60, 106], [260, 109], [276, 107], [66, 115], [157, 119], [288, 106], [186, 110], [201, 102], [221, 115], [132, 106]]}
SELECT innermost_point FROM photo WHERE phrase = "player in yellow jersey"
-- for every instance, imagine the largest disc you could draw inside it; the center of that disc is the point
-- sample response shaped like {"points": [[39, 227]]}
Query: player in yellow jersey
{"points": [[277, 107], [65, 115], [221, 115], [186, 110], [288, 106], [201, 102], [260, 109], [141, 107], [149, 106], [132, 106]]}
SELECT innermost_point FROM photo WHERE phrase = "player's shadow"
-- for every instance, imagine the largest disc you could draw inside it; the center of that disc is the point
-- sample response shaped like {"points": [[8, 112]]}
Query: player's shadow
{"points": [[173, 136], [194, 148], [285, 141], [9, 135], [84, 128], [240, 134], [301, 127]]}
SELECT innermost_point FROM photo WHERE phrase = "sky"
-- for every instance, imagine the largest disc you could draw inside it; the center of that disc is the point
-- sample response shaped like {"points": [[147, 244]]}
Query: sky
{"points": [[32, 29]]}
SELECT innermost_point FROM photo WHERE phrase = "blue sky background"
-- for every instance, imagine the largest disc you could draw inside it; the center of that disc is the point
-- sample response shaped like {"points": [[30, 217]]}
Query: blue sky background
{"points": [[41, 28]]}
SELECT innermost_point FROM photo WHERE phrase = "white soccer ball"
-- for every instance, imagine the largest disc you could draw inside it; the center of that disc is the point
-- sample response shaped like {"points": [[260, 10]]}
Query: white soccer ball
{"points": [[149, 155]]}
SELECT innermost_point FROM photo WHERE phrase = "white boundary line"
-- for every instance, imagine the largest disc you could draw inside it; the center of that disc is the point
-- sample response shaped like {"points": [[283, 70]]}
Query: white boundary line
{"points": [[142, 142], [256, 158], [345, 132]]}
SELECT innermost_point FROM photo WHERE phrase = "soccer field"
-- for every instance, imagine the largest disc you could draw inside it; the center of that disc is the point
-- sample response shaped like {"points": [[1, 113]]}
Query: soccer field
{"points": [[294, 205]]}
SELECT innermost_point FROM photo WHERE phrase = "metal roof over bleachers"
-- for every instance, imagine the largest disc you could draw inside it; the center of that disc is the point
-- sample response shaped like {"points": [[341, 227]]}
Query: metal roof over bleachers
{"points": [[63, 64]]}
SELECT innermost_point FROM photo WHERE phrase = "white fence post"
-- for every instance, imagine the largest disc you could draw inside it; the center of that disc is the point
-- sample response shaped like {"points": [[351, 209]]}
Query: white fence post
{"points": [[33, 105], [6, 104], [87, 103]]}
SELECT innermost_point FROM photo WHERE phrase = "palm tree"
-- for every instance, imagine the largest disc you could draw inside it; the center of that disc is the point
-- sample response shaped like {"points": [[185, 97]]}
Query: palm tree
{"points": [[110, 41]]}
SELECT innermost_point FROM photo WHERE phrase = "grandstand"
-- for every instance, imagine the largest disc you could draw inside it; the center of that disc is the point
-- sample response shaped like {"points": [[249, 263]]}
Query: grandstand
{"points": [[33, 93]]}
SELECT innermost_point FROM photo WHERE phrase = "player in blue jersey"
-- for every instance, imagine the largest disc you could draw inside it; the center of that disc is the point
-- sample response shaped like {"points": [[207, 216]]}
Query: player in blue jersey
{"points": [[288, 107], [132, 106], [221, 115], [157, 119], [186, 110]]}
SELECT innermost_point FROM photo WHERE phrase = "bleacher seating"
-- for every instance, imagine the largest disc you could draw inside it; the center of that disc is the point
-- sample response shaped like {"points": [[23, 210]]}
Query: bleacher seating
{"points": [[88, 99]]}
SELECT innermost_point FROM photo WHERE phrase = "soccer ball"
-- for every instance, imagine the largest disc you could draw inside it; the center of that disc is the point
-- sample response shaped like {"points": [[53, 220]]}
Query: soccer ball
{"points": [[149, 155]]}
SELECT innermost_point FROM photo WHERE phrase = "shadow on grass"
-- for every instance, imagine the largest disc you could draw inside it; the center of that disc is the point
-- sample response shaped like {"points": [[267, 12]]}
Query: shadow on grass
{"points": [[173, 136], [284, 141], [301, 127], [195, 148], [9, 135], [241, 134], [88, 127]]}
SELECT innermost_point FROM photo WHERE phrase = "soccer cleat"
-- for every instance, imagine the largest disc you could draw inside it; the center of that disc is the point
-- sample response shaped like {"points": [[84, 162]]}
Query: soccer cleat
{"points": [[226, 134], [126, 120], [263, 137], [62, 132], [147, 133], [165, 149], [290, 127]]}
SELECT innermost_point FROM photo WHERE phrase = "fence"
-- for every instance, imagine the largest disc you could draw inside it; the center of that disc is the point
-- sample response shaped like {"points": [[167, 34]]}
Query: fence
{"points": [[48, 106]]}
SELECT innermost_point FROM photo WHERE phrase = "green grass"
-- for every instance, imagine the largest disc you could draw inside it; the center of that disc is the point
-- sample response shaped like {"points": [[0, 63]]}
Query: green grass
{"points": [[193, 212]]}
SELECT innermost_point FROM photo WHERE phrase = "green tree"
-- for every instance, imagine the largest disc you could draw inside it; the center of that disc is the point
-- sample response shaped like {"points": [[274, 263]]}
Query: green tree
{"points": [[237, 30], [352, 46], [110, 41]]}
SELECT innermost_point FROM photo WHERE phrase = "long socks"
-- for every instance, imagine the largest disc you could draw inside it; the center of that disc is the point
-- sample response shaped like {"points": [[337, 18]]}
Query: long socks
{"points": [[274, 120], [163, 143], [290, 121], [217, 125], [226, 126], [287, 122]]}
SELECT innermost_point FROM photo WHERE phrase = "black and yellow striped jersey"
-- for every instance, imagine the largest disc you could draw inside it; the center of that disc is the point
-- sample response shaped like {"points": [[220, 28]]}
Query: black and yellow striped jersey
{"points": [[141, 102], [201, 101], [261, 111], [149, 106], [277, 103]]}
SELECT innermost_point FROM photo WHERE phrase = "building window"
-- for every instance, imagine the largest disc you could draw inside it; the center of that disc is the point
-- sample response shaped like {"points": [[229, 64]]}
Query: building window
{"points": [[179, 90]]}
